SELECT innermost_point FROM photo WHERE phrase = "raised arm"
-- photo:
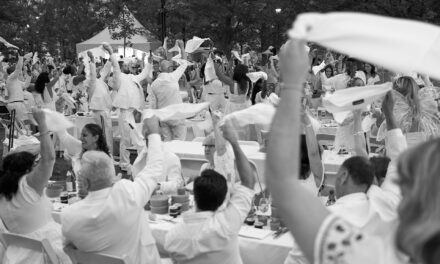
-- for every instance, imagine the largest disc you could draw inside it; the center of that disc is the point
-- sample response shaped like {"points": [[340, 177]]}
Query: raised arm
{"points": [[358, 134], [244, 169], [39, 176], [115, 65], [146, 180], [283, 154], [92, 81], [313, 150], [146, 73], [220, 143], [18, 68]]}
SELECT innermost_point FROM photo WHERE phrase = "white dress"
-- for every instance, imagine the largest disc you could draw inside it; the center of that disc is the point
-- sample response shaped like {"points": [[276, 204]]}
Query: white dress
{"points": [[29, 214]]}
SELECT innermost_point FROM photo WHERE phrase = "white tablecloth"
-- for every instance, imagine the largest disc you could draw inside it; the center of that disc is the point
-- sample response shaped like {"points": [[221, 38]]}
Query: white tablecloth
{"points": [[195, 150], [253, 251]]}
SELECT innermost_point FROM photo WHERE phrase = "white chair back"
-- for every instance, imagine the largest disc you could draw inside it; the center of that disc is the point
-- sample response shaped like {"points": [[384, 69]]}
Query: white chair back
{"points": [[29, 243], [191, 167], [81, 257]]}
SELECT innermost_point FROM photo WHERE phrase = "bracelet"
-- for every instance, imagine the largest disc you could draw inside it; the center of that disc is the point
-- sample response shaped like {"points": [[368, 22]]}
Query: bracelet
{"points": [[358, 133]]}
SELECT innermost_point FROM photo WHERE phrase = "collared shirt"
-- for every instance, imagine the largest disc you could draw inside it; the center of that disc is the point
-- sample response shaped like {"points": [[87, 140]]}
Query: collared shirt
{"points": [[211, 237], [112, 220], [166, 87], [354, 208], [171, 178]]}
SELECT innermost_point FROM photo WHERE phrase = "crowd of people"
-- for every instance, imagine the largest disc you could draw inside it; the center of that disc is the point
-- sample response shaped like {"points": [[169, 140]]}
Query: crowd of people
{"points": [[385, 209]]}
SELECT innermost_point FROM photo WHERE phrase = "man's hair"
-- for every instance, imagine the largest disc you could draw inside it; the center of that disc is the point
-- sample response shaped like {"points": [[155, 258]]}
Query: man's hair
{"points": [[210, 190], [68, 70], [97, 167], [380, 167], [360, 170], [10, 69]]}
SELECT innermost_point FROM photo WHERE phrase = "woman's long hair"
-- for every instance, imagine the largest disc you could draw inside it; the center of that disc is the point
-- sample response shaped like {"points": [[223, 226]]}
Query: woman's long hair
{"points": [[15, 166], [373, 70], [240, 77], [40, 83], [418, 233], [411, 92], [96, 130]]}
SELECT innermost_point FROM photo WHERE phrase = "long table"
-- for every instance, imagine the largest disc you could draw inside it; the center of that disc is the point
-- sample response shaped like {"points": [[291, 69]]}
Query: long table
{"points": [[195, 150], [253, 251]]}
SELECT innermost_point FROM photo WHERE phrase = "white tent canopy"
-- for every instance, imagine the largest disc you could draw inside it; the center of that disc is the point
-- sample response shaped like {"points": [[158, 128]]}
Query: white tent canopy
{"points": [[140, 42]]}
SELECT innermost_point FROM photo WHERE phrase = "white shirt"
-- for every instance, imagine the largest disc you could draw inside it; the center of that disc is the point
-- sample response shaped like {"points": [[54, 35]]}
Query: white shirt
{"points": [[99, 94], [130, 93], [386, 198], [166, 89], [112, 220], [211, 237], [171, 178], [14, 85], [339, 81]]}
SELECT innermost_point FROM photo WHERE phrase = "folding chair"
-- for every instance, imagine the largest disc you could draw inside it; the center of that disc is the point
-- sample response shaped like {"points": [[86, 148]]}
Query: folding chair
{"points": [[81, 257], [29, 243], [11, 131]]}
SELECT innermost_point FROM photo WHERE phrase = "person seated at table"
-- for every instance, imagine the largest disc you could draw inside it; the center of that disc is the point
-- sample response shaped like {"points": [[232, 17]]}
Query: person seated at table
{"points": [[171, 178], [24, 208], [92, 138], [326, 238], [111, 219], [209, 235]]}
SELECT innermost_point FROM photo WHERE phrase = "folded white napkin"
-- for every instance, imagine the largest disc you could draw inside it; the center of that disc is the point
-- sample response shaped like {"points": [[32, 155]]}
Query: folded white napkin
{"points": [[56, 121], [255, 76], [175, 111], [194, 43], [35, 58], [258, 114], [7, 44], [209, 70], [318, 68], [354, 98], [391, 39]]}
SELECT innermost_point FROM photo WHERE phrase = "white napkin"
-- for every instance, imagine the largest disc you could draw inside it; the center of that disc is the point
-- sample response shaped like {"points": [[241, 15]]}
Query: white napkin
{"points": [[391, 39], [194, 43], [255, 76], [258, 114], [209, 70], [35, 58], [56, 121], [27, 55], [175, 111], [354, 98], [7, 44], [236, 55], [318, 68]]}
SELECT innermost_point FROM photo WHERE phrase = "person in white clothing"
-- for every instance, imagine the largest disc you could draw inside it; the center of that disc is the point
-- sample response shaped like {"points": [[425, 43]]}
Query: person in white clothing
{"points": [[14, 86], [24, 207], [129, 97], [210, 235], [111, 219], [165, 92], [100, 102], [171, 178]]}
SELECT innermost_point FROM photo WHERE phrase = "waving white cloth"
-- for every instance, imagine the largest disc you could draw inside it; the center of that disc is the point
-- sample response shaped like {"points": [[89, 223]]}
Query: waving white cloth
{"points": [[354, 98], [175, 111], [56, 121], [209, 70], [258, 114], [340, 31], [7, 44], [194, 43], [35, 58], [255, 76]]}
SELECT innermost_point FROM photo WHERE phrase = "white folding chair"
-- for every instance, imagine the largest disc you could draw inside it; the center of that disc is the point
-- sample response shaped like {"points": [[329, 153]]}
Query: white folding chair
{"points": [[81, 257], [197, 131], [44, 246]]}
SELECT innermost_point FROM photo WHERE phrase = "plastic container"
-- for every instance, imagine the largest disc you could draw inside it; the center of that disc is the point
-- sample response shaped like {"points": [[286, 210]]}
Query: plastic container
{"points": [[54, 191]]}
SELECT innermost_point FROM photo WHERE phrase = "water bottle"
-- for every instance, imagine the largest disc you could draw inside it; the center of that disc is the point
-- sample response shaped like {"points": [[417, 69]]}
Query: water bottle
{"points": [[69, 182]]}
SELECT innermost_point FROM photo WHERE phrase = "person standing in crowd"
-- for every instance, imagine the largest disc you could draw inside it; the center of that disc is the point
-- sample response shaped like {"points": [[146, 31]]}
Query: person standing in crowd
{"points": [[370, 74], [165, 91], [129, 96]]}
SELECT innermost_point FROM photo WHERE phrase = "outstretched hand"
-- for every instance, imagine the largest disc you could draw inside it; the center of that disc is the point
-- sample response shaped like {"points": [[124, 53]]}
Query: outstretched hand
{"points": [[39, 116], [229, 132], [150, 126], [90, 54], [107, 48]]}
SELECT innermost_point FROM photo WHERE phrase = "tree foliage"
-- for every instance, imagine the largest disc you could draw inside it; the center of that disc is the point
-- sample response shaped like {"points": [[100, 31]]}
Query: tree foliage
{"points": [[57, 25]]}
